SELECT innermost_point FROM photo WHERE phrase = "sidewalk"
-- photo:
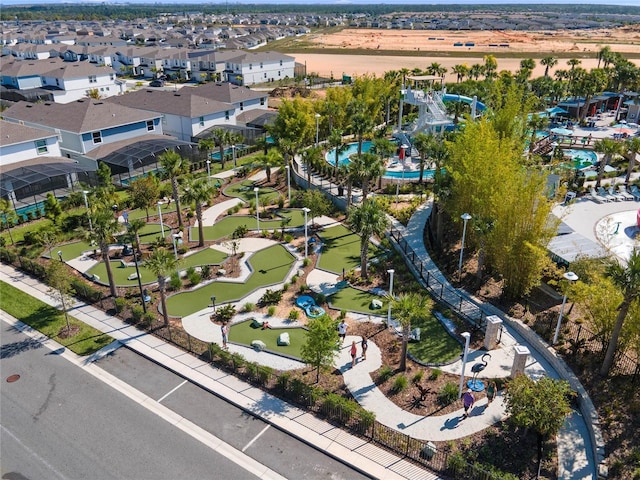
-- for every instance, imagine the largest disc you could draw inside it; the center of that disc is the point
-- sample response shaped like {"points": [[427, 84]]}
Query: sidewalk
{"points": [[339, 444]]}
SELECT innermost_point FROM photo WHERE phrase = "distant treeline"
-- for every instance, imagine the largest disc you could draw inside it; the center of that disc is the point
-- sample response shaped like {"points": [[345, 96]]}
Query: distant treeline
{"points": [[134, 11]]}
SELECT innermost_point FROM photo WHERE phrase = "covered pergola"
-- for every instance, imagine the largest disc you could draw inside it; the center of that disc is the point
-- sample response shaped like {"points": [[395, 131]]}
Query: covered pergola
{"points": [[138, 156], [27, 183]]}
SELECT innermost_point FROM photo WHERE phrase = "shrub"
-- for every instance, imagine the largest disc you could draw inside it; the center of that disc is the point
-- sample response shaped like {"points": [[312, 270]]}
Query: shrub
{"points": [[281, 201], [85, 291], [285, 287], [214, 350], [148, 318], [225, 312], [271, 311], [320, 298], [7, 255], [136, 312], [205, 272], [456, 463], [448, 393], [288, 238], [417, 377], [282, 381], [251, 370], [399, 384], [293, 315], [194, 278], [385, 373], [264, 374], [248, 307], [238, 361], [120, 305], [270, 297], [175, 282], [435, 374], [225, 357], [365, 419], [305, 262]]}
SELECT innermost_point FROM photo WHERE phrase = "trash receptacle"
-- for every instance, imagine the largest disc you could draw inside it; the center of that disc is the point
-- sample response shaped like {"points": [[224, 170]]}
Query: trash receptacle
{"points": [[340, 190]]}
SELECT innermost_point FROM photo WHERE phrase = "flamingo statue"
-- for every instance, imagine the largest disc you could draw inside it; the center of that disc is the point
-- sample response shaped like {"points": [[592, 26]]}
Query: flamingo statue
{"points": [[475, 384]]}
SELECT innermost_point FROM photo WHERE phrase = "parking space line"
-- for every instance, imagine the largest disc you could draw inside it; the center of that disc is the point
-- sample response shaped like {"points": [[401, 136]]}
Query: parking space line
{"points": [[170, 392], [255, 438]]}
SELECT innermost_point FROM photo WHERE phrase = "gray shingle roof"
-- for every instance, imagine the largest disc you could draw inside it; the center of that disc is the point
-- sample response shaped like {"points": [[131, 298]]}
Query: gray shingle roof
{"points": [[14, 133]]}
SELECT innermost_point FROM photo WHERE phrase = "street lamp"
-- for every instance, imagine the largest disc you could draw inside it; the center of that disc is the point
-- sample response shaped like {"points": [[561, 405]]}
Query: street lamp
{"points": [[390, 272], [176, 236], [467, 338], [86, 204], [465, 217], [256, 189], [139, 278], [160, 215], [213, 303], [317, 127], [209, 170], [572, 277], [60, 255], [288, 168], [233, 155], [306, 242]]}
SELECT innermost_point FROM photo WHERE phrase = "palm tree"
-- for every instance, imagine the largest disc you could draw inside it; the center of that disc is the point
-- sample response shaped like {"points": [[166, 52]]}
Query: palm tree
{"points": [[490, 67], [335, 141], [535, 124], [631, 148], [628, 280], [461, 71], [608, 147], [361, 121], [367, 219], [548, 63], [161, 263], [9, 215], [604, 55], [207, 144], [310, 157], [423, 143], [273, 158], [221, 138], [476, 70], [591, 83], [384, 148], [105, 226], [436, 69], [174, 166], [199, 191], [370, 167], [133, 229], [406, 308]]}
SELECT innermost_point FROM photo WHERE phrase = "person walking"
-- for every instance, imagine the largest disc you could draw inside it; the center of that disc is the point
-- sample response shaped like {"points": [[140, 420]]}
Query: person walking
{"points": [[342, 330], [491, 392], [364, 344], [354, 353], [467, 401], [225, 335]]}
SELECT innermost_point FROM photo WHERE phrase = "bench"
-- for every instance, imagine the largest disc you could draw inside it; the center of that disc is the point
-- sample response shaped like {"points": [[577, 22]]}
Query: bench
{"points": [[133, 276], [376, 304], [283, 339]]}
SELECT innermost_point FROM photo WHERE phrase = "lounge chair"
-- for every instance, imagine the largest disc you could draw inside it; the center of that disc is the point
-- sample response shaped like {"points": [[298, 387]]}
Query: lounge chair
{"points": [[623, 192], [593, 195], [635, 191], [603, 193], [615, 195]]}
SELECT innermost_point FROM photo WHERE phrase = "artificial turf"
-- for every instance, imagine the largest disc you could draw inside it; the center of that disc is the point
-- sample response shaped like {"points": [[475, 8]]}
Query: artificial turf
{"points": [[436, 346], [341, 249], [70, 250], [354, 300], [269, 267], [244, 190], [243, 333]]}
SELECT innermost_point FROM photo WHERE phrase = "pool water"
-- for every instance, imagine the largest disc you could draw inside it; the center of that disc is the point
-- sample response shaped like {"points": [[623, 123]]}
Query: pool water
{"points": [[581, 155], [229, 151], [352, 148]]}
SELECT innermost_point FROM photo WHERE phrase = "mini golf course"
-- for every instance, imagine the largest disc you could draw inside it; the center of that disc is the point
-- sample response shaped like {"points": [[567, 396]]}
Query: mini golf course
{"points": [[341, 249], [243, 333], [436, 346], [244, 190], [355, 300], [269, 267]]}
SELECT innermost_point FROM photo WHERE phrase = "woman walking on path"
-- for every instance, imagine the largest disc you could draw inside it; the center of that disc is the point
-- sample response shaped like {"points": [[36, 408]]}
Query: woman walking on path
{"points": [[467, 401], [491, 392], [364, 344], [225, 335], [354, 353]]}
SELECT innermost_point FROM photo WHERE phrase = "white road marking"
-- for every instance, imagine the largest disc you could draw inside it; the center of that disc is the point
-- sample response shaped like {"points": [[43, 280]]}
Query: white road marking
{"points": [[170, 392], [255, 438]]}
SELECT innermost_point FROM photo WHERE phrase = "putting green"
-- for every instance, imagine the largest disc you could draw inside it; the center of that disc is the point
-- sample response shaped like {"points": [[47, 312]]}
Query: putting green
{"points": [[151, 231], [354, 300], [121, 274], [269, 267], [226, 226], [435, 345], [70, 250], [245, 191], [243, 333], [341, 249], [153, 211]]}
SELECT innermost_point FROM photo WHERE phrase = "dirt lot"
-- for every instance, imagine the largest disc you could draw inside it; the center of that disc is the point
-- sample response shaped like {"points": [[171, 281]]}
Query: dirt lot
{"points": [[420, 48]]}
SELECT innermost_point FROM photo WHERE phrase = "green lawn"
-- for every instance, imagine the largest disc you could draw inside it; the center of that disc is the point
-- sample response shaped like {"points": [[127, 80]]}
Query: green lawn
{"points": [[50, 321], [69, 250], [270, 266], [354, 300], [244, 190], [244, 334], [206, 256], [435, 345], [120, 274], [151, 231], [153, 212], [226, 226], [341, 249]]}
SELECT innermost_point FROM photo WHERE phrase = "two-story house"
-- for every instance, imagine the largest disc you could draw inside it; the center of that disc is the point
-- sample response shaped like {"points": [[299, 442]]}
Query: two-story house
{"points": [[249, 68]]}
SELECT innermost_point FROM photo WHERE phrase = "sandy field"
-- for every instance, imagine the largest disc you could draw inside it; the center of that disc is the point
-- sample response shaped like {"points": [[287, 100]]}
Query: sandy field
{"points": [[624, 40]]}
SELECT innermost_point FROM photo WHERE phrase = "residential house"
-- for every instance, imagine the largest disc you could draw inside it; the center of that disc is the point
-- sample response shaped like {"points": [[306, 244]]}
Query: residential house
{"points": [[249, 68]]}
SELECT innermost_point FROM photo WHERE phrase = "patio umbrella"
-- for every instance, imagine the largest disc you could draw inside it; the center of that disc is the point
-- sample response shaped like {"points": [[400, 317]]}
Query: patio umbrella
{"points": [[620, 130], [561, 131]]}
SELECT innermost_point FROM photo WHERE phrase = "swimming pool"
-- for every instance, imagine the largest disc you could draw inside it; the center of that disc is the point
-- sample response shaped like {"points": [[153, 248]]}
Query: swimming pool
{"points": [[581, 158], [343, 159]]}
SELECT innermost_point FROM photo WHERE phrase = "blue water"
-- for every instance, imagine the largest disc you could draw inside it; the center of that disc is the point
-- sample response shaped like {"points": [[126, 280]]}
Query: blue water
{"points": [[24, 211], [228, 151], [587, 155], [352, 148], [126, 181]]}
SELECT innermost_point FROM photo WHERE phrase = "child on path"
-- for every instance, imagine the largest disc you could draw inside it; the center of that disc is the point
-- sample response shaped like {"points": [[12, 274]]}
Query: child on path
{"points": [[364, 344], [225, 335], [491, 392], [467, 401], [342, 330], [354, 353]]}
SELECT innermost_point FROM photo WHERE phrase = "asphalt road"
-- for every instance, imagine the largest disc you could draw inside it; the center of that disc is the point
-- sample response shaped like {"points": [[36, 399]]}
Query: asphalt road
{"points": [[57, 421], [266, 444]]}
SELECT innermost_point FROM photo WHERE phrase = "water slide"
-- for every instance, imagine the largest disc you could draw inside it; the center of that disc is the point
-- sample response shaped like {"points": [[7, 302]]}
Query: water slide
{"points": [[449, 97]]}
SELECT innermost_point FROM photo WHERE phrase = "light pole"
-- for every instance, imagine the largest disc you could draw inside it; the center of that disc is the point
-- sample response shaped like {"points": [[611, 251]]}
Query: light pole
{"points": [[256, 189], [213, 303], [86, 204], [60, 255], [176, 236], [306, 242], [465, 217], [288, 168], [160, 215], [467, 338], [209, 170], [233, 155], [317, 127], [571, 277], [390, 272]]}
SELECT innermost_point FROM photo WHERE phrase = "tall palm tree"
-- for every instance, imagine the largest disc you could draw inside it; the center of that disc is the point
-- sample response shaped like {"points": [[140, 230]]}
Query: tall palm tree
{"points": [[174, 166], [609, 148], [206, 145], [630, 149], [105, 226], [161, 263], [461, 71], [423, 142], [335, 141], [221, 137], [310, 157], [9, 215], [406, 308], [490, 67], [370, 167], [536, 123], [604, 55], [384, 148], [628, 280], [361, 121], [133, 229], [548, 63], [273, 158], [476, 70], [199, 191], [367, 219]]}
